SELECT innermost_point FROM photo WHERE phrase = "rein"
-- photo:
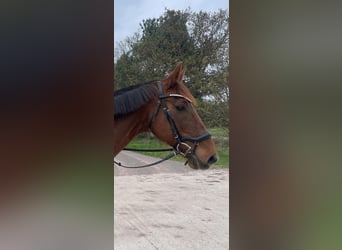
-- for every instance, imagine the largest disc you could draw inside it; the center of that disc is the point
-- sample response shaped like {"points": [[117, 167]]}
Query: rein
{"points": [[180, 140], [149, 150], [148, 165]]}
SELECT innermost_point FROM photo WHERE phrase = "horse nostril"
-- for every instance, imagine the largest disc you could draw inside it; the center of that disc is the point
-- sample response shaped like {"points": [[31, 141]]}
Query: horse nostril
{"points": [[212, 159]]}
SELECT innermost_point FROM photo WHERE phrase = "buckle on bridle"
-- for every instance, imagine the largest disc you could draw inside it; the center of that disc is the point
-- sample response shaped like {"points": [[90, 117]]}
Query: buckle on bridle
{"points": [[188, 150]]}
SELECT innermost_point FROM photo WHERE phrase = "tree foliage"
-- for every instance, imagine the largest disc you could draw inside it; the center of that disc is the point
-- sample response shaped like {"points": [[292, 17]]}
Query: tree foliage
{"points": [[199, 40]]}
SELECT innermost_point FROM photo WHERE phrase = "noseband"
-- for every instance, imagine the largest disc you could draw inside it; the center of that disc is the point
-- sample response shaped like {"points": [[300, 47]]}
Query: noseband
{"points": [[180, 140]]}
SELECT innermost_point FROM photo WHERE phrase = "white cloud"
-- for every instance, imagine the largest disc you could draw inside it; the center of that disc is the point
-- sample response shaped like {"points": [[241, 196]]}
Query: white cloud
{"points": [[129, 13]]}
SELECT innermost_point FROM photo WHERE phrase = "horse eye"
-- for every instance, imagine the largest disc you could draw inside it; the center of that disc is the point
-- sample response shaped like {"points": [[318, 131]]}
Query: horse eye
{"points": [[180, 107]]}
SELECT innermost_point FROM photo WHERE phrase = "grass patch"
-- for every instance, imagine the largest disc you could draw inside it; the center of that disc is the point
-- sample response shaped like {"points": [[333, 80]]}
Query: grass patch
{"points": [[223, 161], [219, 132], [220, 136]]}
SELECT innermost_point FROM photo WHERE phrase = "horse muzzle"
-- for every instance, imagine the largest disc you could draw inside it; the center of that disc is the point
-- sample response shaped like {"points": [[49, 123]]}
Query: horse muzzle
{"points": [[196, 163]]}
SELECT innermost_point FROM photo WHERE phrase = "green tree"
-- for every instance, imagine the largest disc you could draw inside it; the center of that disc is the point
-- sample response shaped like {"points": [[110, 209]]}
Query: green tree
{"points": [[209, 35], [199, 40]]}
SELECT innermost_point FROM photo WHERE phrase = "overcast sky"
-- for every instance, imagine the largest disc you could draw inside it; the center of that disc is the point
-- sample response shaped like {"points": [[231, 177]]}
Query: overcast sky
{"points": [[129, 13]]}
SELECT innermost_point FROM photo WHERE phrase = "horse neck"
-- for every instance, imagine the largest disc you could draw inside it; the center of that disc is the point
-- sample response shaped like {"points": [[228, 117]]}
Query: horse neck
{"points": [[126, 128]]}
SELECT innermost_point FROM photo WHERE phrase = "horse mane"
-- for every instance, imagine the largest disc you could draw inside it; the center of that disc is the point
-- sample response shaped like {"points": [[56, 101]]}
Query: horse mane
{"points": [[130, 99]]}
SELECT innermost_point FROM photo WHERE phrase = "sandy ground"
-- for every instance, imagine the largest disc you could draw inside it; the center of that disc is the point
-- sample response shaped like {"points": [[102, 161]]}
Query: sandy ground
{"points": [[169, 206]]}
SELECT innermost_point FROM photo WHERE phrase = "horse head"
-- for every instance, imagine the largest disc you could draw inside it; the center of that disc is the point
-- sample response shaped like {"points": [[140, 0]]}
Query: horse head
{"points": [[176, 122]]}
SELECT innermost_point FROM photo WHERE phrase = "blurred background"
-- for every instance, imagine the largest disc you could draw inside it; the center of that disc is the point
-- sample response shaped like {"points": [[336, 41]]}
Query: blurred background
{"points": [[285, 99]]}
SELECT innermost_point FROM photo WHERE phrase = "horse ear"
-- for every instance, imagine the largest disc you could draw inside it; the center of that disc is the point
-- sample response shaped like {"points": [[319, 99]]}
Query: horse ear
{"points": [[181, 75], [175, 77]]}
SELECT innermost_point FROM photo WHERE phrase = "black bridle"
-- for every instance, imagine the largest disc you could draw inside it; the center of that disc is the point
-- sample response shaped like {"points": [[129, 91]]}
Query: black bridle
{"points": [[180, 140]]}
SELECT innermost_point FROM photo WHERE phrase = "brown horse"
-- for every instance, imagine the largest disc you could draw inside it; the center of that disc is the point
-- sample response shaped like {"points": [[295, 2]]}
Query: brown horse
{"points": [[164, 108]]}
